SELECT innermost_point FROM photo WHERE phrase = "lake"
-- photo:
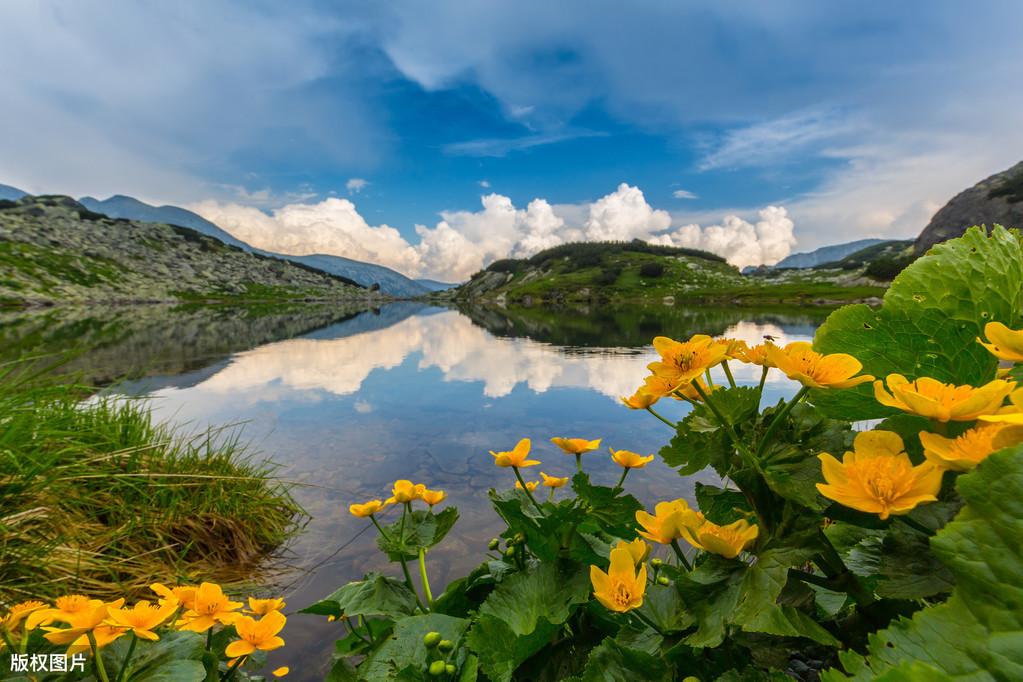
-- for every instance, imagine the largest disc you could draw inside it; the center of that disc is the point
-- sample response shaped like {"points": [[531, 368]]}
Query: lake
{"points": [[347, 401]]}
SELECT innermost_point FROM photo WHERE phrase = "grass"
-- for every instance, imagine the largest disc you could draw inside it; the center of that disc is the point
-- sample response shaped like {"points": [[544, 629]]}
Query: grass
{"points": [[96, 498]]}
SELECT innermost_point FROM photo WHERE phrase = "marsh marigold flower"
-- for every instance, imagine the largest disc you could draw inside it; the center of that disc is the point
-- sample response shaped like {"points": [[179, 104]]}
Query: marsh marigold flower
{"points": [[211, 606], [553, 481], [1004, 343], [754, 355], [878, 476], [576, 446], [663, 525], [944, 402], [640, 400], [638, 549], [183, 595], [141, 619], [682, 362], [971, 447], [728, 540], [91, 620], [63, 608], [800, 362], [1010, 414], [18, 612], [261, 607], [403, 491], [257, 634], [630, 460], [432, 497], [367, 509], [530, 485], [621, 588], [518, 457]]}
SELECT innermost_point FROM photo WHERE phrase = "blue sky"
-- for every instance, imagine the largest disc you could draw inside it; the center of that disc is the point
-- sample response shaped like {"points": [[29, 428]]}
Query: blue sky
{"points": [[857, 119]]}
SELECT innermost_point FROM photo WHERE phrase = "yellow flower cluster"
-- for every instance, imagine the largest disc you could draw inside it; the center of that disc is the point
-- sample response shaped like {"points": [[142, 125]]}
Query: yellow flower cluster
{"points": [[672, 521], [518, 458], [87, 625], [402, 492]]}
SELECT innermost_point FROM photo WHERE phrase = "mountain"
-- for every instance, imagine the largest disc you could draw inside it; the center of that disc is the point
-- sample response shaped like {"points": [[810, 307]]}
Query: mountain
{"points": [[994, 200], [11, 193], [55, 250], [434, 285], [825, 254], [366, 274]]}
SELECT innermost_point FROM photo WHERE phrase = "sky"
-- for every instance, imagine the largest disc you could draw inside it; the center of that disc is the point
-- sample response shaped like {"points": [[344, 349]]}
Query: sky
{"points": [[436, 137]]}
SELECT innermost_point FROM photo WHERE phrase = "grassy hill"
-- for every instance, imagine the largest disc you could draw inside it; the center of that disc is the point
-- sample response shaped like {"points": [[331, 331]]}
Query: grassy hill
{"points": [[637, 271], [54, 250]]}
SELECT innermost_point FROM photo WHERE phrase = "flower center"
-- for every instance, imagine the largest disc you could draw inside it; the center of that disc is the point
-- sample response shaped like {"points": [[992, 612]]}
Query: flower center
{"points": [[884, 479], [622, 594]]}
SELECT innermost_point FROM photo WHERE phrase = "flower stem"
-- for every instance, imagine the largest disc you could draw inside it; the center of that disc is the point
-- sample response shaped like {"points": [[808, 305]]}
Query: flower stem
{"points": [[646, 621], [763, 379], [666, 421], [525, 489], [234, 666], [681, 555], [7, 639], [729, 429], [710, 379], [625, 472], [127, 657], [401, 556], [97, 660], [209, 639], [780, 418], [728, 373], [379, 528], [423, 577], [355, 630], [579, 462]]}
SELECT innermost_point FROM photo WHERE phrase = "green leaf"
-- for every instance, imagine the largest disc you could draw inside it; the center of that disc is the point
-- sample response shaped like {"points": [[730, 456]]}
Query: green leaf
{"points": [[172, 671], [721, 506], [405, 648], [374, 595], [152, 657], [422, 529], [978, 632], [930, 319], [609, 510], [611, 662], [663, 605], [700, 440]]}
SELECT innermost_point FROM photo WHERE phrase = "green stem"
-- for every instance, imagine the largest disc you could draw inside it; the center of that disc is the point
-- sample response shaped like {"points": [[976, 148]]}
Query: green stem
{"points": [[379, 528], [234, 666], [666, 421], [710, 379], [209, 639], [681, 555], [127, 657], [625, 472], [646, 621], [7, 639], [915, 525], [779, 419], [97, 660], [355, 630], [728, 373], [550, 495], [579, 462], [423, 577], [763, 380], [525, 489], [729, 429], [401, 556]]}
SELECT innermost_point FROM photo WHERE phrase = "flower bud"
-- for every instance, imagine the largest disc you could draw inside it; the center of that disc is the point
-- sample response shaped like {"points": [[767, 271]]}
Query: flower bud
{"points": [[494, 544], [663, 580], [437, 668], [431, 639], [509, 553], [450, 668], [656, 563], [520, 538], [446, 645]]}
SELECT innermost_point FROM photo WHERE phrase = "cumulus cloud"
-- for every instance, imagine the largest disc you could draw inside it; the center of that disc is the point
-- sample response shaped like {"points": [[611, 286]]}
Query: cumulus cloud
{"points": [[684, 194], [463, 242], [742, 243], [356, 185], [485, 184]]}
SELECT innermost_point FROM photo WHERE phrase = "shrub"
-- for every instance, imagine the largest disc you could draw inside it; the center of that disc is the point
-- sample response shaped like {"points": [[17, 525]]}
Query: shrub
{"points": [[652, 269], [608, 276]]}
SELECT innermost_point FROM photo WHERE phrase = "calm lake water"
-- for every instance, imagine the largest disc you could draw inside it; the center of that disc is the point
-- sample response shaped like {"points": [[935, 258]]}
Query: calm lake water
{"points": [[347, 401]]}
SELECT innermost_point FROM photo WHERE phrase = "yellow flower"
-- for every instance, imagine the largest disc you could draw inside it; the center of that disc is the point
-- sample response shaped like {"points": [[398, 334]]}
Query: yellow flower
{"points": [[735, 349], [183, 595], [971, 447], [637, 549], [621, 588], [658, 386], [1005, 343], [91, 620], [799, 362], [1010, 414], [640, 400], [553, 481], [576, 446], [261, 607], [65, 607], [281, 672], [18, 612], [403, 491], [878, 477], [726, 540], [681, 362], [530, 485], [432, 497], [517, 457], [689, 390], [754, 355], [945, 402], [257, 634], [630, 460], [211, 606], [142, 619], [663, 525], [368, 508]]}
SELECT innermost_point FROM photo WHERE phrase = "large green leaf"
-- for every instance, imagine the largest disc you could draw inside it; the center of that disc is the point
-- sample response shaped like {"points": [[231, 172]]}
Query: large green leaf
{"points": [[978, 633], [700, 440], [151, 660], [613, 662], [405, 649], [374, 595], [421, 529], [721, 506], [930, 319], [607, 509]]}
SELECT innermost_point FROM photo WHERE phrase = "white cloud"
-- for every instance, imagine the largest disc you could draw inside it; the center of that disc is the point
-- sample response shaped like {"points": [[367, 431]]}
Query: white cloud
{"points": [[356, 185], [684, 194], [485, 184], [624, 215], [740, 242]]}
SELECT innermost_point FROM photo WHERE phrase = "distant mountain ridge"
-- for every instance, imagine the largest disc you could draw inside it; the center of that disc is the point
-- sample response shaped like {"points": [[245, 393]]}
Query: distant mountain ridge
{"points": [[11, 193], [825, 254], [366, 274]]}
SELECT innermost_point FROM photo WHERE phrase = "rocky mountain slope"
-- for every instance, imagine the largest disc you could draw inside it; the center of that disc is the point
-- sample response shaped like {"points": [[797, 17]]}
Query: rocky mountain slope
{"points": [[825, 254], [366, 274], [994, 200], [54, 250]]}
